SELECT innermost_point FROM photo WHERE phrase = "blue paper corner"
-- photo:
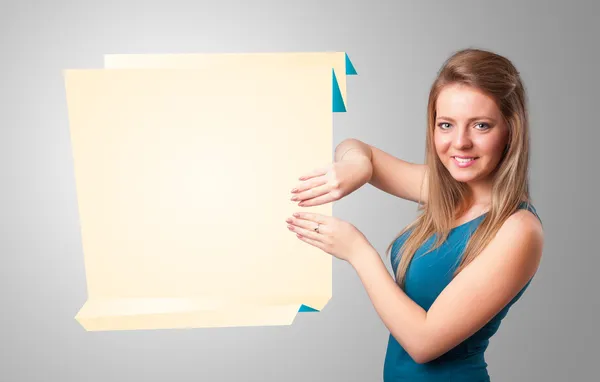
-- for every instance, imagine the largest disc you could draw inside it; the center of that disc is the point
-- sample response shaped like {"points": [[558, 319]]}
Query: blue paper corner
{"points": [[350, 70], [338, 101], [305, 308]]}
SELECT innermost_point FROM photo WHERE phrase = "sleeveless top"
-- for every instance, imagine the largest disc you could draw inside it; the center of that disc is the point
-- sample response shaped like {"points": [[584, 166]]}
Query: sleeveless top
{"points": [[426, 277]]}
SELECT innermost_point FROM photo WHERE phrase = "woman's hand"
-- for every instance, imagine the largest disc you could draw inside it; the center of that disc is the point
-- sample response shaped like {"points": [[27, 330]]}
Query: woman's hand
{"points": [[332, 182], [334, 236]]}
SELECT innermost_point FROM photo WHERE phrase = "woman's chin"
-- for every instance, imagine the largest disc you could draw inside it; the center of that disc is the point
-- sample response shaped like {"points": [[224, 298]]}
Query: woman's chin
{"points": [[463, 179], [464, 176]]}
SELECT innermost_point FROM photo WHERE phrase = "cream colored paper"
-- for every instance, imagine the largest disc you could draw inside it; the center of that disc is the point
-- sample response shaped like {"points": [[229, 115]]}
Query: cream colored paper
{"points": [[183, 182], [233, 61]]}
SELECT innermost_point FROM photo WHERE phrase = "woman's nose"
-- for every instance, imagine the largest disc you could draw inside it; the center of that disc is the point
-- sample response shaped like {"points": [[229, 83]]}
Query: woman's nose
{"points": [[461, 139]]}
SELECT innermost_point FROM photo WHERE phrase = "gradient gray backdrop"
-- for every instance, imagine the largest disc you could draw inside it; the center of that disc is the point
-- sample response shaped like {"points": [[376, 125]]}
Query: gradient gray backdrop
{"points": [[397, 47]]}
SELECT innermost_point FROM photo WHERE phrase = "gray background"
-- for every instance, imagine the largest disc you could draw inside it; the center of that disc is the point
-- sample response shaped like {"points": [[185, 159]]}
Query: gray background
{"points": [[397, 48]]}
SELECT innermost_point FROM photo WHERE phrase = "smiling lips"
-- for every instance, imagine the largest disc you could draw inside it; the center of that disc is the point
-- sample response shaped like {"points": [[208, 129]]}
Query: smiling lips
{"points": [[463, 162]]}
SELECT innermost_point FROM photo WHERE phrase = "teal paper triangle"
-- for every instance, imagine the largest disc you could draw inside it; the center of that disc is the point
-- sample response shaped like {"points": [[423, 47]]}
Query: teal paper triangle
{"points": [[350, 70], [305, 308], [338, 101]]}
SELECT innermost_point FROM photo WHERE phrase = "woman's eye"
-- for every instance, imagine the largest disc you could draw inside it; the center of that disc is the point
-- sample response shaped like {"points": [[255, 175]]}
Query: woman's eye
{"points": [[484, 125]]}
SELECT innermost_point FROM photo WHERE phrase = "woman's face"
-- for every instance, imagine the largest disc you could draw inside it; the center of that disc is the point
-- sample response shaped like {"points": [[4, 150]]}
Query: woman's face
{"points": [[468, 124]]}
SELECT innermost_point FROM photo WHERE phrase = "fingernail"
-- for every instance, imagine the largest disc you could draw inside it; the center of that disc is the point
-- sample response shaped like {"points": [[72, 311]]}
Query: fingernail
{"points": [[294, 198], [295, 190]]}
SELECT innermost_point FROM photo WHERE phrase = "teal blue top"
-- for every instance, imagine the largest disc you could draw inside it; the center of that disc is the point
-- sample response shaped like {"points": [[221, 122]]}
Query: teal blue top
{"points": [[426, 277]]}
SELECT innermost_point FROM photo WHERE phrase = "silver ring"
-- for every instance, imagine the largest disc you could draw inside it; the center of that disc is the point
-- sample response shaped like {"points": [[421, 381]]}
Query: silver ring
{"points": [[317, 229]]}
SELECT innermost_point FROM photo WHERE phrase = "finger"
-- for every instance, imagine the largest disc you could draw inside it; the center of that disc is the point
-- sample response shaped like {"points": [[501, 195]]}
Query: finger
{"points": [[327, 198], [309, 184], [313, 192], [308, 225], [312, 242], [306, 232], [311, 216], [314, 173]]}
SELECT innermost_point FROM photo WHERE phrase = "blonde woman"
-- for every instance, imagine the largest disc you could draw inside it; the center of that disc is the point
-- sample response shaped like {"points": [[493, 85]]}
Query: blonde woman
{"points": [[475, 246]]}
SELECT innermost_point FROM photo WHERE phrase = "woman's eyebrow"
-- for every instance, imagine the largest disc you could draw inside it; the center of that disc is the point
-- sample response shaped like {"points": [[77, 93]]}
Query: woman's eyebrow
{"points": [[469, 120]]}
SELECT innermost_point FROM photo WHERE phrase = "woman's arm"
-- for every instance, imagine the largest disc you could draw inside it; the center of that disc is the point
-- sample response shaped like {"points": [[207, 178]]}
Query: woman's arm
{"points": [[390, 174], [471, 300]]}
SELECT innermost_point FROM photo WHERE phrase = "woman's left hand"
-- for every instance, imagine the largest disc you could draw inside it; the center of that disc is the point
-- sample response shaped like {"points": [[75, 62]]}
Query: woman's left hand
{"points": [[334, 236]]}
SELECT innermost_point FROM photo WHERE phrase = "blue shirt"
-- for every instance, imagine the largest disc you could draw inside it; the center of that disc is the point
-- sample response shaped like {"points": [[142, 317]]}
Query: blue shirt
{"points": [[426, 277]]}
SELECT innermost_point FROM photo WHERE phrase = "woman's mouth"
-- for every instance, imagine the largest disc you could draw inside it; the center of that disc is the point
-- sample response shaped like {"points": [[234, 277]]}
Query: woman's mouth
{"points": [[464, 162]]}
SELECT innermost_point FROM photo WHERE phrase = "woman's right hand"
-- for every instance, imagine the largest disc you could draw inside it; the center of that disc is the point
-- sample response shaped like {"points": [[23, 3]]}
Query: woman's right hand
{"points": [[332, 182]]}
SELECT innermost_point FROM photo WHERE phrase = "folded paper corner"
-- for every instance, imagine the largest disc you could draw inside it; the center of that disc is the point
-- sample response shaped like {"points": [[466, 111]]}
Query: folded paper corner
{"points": [[338, 100], [306, 308], [350, 69]]}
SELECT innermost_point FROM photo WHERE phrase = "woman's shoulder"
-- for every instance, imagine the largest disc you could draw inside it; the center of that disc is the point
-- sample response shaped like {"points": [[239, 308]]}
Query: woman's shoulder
{"points": [[524, 224], [527, 212], [522, 229]]}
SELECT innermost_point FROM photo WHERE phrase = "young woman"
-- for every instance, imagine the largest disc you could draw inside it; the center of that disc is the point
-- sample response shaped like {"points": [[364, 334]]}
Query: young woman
{"points": [[478, 241]]}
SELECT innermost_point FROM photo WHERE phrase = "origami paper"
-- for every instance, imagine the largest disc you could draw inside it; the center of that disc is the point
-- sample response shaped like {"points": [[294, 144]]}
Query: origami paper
{"points": [[183, 178]]}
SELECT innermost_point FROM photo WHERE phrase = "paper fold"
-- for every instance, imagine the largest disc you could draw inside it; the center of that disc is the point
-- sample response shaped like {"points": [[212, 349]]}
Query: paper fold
{"points": [[339, 61]]}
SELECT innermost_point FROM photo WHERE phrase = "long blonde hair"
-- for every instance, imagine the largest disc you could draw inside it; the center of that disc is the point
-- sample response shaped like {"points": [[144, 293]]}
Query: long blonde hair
{"points": [[447, 198]]}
